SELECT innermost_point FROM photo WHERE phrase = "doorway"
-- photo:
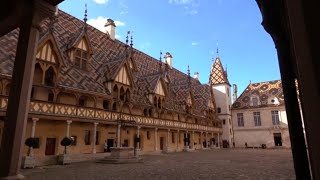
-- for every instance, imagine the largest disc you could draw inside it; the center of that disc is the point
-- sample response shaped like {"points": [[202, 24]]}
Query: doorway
{"points": [[50, 146], [277, 139], [161, 143], [110, 143]]}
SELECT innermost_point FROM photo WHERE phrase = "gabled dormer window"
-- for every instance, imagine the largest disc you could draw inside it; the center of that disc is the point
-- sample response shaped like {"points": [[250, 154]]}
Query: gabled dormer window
{"points": [[255, 100], [81, 55]]}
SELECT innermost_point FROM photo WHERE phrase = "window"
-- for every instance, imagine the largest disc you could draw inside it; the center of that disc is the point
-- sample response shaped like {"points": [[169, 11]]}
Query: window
{"points": [[148, 135], [97, 137], [82, 101], [105, 104], [87, 137], [81, 58], [224, 122], [49, 77], [145, 112], [240, 119], [74, 140], [114, 106], [150, 112], [219, 110], [228, 92], [172, 137], [254, 101], [122, 94], [275, 117], [50, 97], [257, 118]]}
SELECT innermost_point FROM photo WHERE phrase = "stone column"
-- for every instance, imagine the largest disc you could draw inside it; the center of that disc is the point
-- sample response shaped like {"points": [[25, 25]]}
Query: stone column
{"points": [[118, 135], [138, 136], [155, 139], [207, 144], [193, 140], [94, 151], [178, 137], [218, 140], [68, 128], [201, 139], [168, 135], [33, 131], [22, 76]]}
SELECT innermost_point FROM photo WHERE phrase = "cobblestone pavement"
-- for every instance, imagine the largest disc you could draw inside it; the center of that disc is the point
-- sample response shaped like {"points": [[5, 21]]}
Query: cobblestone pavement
{"points": [[221, 164]]}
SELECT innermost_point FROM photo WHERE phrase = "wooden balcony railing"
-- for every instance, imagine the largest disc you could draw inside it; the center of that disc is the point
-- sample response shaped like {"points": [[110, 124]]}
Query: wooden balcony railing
{"points": [[64, 110]]}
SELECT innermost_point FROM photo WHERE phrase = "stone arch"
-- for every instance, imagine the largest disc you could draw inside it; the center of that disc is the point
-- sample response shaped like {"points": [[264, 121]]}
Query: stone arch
{"points": [[122, 94], [50, 76], [115, 91]]}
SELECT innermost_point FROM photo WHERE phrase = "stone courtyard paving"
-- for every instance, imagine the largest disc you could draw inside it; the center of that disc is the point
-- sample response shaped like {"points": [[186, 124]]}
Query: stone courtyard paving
{"points": [[221, 164]]}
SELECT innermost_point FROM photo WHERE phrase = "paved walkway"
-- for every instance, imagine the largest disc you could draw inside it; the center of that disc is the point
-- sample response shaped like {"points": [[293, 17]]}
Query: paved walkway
{"points": [[221, 164]]}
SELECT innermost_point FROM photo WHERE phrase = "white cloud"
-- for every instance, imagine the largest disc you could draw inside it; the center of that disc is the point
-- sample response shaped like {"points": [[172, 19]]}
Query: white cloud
{"points": [[194, 43], [117, 36], [101, 1], [190, 6], [193, 12], [124, 12], [100, 21]]}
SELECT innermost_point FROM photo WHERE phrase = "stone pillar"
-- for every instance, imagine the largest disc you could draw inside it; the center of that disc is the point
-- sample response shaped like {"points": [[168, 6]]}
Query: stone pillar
{"points": [[94, 151], [68, 128], [155, 139], [33, 131], [218, 140], [193, 140], [178, 137], [138, 136], [168, 136], [118, 135], [207, 144], [201, 139], [21, 82]]}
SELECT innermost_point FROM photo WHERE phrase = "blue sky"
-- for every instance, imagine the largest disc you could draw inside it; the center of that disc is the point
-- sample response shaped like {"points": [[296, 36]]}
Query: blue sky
{"points": [[190, 30]]}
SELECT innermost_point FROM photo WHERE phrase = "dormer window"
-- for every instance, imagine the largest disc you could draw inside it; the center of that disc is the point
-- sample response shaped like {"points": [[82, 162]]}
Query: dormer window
{"points": [[255, 100], [81, 55]]}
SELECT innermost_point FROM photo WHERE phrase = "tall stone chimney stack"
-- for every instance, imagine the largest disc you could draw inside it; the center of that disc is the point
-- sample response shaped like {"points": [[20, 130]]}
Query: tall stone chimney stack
{"points": [[168, 59], [235, 91], [111, 28], [196, 76]]}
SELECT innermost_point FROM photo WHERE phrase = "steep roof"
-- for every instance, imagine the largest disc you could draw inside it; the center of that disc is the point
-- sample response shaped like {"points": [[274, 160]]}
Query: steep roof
{"points": [[217, 73], [264, 91], [108, 56]]}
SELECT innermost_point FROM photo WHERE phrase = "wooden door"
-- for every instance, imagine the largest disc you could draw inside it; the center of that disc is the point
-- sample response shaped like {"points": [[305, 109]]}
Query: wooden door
{"points": [[50, 146]]}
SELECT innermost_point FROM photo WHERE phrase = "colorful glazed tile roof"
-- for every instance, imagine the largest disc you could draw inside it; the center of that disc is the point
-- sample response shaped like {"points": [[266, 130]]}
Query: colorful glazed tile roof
{"points": [[217, 74], [107, 58], [265, 91]]}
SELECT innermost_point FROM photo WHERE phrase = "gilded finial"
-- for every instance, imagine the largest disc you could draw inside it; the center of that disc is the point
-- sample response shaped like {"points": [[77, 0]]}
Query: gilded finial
{"points": [[131, 41], [127, 37], [85, 17]]}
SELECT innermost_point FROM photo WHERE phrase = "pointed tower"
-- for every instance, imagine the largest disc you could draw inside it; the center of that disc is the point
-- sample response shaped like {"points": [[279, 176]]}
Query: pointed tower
{"points": [[221, 88]]}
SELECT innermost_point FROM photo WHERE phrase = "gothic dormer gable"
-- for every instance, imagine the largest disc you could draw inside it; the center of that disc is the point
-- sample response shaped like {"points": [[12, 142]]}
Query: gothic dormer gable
{"points": [[49, 51], [160, 89], [124, 76], [81, 51]]}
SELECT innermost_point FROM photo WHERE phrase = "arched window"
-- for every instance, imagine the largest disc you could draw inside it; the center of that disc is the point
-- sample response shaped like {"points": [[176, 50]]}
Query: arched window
{"points": [[219, 110], [49, 77], [105, 104], [150, 112], [122, 94], [127, 98], [37, 77], [115, 92], [82, 101], [155, 101], [159, 103], [50, 96], [145, 112]]}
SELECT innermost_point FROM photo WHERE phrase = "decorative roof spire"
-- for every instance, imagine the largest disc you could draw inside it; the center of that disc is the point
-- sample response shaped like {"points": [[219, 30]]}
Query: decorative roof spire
{"points": [[160, 63], [131, 41], [127, 38], [217, 50], [217, 74], [189, 77], [85, 18]]}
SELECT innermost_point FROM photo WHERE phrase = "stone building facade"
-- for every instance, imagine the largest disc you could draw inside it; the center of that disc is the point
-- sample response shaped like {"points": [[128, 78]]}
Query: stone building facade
{"points": [[259, 116], [91, 87]]}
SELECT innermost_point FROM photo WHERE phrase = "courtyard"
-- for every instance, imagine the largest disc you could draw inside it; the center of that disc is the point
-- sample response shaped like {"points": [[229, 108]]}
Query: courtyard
{"points": [[212, 164]]}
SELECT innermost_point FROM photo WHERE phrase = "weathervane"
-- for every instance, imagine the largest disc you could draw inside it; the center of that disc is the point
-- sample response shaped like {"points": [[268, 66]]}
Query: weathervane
{"points": [[85, 18], [131, 42], [127, 38]]}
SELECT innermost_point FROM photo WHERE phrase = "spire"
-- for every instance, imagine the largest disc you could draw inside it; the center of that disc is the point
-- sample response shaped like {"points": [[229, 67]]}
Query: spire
{"points": [[127, 38], [217, 73], [85, 18], [131, 41], [160, 63]]}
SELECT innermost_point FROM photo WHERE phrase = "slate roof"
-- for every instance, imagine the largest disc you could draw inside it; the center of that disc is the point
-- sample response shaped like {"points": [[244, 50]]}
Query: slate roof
{"points": [[107, 58], [264, 90]]}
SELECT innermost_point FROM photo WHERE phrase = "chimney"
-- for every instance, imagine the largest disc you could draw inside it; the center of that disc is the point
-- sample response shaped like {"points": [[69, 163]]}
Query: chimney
{"points": [[111, 28], [168, 59], [196, 76], [235, 91]]}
